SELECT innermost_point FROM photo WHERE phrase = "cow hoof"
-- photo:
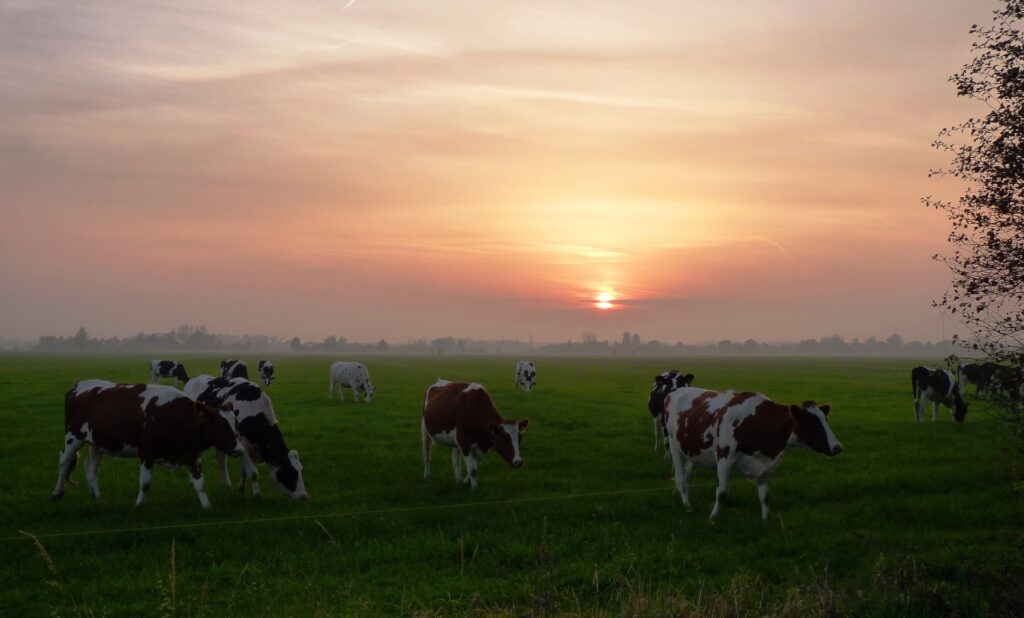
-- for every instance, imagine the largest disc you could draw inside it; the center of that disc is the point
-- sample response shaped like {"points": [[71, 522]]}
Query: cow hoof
{"points": [[56, 496]]}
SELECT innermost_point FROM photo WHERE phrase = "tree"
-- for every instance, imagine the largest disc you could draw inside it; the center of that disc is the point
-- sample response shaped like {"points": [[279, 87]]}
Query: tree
{"points": [[987, 291], [296, 344]]}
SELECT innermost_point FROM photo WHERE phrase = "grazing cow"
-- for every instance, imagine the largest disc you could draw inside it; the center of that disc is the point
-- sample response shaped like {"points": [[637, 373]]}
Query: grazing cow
{"points": [[664, 384], [350, 375], [1006, 381], [257, 427], [167, 369], [936, 386], [234, 369], [745, 430], [266, 371], [979, 374], [526, 375], [463, 417], [156, 423]]}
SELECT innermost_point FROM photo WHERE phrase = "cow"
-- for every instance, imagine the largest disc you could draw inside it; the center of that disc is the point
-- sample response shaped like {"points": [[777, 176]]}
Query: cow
{"points": [[167, 369], [979, 374], [260, 434], [233, 368], [664, 384], [266, 370], [1006, 381], [350, 375], [741, 430], [936, 386], [526, 375], [462, 416], [156, 423]]}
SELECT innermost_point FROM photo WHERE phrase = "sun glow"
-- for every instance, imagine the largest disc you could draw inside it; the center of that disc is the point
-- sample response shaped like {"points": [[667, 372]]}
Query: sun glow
{"points": [[604, 301]]}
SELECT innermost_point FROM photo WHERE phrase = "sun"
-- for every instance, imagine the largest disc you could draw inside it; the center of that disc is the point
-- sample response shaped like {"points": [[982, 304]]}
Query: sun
{"points": [[604, 301]]}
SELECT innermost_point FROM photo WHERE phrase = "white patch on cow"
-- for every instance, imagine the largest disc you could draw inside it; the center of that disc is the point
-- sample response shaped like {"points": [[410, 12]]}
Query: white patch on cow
{"points": [[446, 438], [86, 386], [513, 434], [160, 394], [473, 387]]}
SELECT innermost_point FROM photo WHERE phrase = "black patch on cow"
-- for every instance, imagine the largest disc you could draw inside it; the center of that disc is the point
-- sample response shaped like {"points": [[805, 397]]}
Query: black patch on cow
{"points": [[272, 448]]}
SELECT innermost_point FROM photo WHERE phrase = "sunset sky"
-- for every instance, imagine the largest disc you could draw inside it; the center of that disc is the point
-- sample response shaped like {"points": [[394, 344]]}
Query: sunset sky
{"points": [[414, 168]]}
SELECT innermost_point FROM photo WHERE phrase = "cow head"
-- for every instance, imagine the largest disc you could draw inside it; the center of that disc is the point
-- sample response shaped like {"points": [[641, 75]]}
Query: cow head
{"points": [[368, 390], [682, 381], [664, 384], [220, 427], [959, 406], [529, 378], [507, 437], [288, 477], [179, 372], [812, 430]]}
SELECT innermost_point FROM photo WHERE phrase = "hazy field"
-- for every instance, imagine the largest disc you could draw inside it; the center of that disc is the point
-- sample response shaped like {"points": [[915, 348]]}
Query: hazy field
{"points": [[909, 518]]}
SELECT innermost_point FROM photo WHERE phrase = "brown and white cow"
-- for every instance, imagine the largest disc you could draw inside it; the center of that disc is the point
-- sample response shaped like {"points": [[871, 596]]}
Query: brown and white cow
{"points": [[463, 416], [744, 430], [156, 423]]}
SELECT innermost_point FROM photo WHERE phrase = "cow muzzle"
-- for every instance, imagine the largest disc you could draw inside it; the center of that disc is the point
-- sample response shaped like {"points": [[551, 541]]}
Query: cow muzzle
{"points": [[517, 463], [837, 449]]}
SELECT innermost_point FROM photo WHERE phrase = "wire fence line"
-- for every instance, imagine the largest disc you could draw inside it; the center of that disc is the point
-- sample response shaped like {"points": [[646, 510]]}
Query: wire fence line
{"points": [[24, 536]]}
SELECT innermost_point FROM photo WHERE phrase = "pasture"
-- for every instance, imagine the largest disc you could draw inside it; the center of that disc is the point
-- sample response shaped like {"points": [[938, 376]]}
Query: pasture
{"points": [[917, 519]]}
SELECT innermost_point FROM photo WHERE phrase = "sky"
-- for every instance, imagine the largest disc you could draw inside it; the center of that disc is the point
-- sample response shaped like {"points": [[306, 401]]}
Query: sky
{"points": [[408, 168]]}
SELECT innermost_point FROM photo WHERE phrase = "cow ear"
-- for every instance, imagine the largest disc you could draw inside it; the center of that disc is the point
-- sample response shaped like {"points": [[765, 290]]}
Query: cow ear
{"points": [[523, 424], [796, 411], [825, 408]]}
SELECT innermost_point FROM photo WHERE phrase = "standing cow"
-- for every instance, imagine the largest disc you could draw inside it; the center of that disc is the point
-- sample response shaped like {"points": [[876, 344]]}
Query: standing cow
{"points": [[664, 384], [526, 375], [936, 386], [350, 375], [260, 435], [156, 423], [463, 417], [746, 431], [234, 368], [167, 369], [266, 370], [979, 374]]}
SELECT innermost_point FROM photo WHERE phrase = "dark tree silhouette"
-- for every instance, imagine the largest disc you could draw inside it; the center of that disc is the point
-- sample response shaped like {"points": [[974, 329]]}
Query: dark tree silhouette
{"points": [[987, 265]]}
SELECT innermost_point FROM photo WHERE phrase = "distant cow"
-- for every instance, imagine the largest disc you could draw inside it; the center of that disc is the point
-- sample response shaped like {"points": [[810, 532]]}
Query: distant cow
{"points": [[664, 384], [979, 374], [266, 370], [744, 430], [233, 368], [167, 369], [936, 386], [156, 423], [526, 375], [350, 375], [260, 435], [463, 417]]}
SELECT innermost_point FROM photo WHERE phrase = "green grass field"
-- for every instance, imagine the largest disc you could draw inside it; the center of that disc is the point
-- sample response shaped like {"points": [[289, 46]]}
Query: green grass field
{"points": [[910, 519]]}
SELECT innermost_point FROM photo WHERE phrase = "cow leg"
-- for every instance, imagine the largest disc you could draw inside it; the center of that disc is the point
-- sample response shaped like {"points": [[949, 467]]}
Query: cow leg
{"points": [[683, 471], [426, 450], [92, 468], [253, 473], [145, 480], [724, 467], [919, 409], [222, 463], [457, 464], [341, 392], [67, 461], [935, 411], [762, 493], [198, 484], [330, 390], [657, 432], [472, 464]]}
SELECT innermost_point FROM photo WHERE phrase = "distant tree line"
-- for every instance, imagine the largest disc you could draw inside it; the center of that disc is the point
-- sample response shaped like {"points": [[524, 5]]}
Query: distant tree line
{"points": [[196, 338]]}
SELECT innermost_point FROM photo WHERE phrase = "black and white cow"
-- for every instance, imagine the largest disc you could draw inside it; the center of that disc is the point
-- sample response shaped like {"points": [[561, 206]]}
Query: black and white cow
{"points": [[664, 384], [526, 375], [936, 386], [979, 374], [234, 368], [259, 432], [266, 370], [156, 423], [352, 375], [167, 369]]}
